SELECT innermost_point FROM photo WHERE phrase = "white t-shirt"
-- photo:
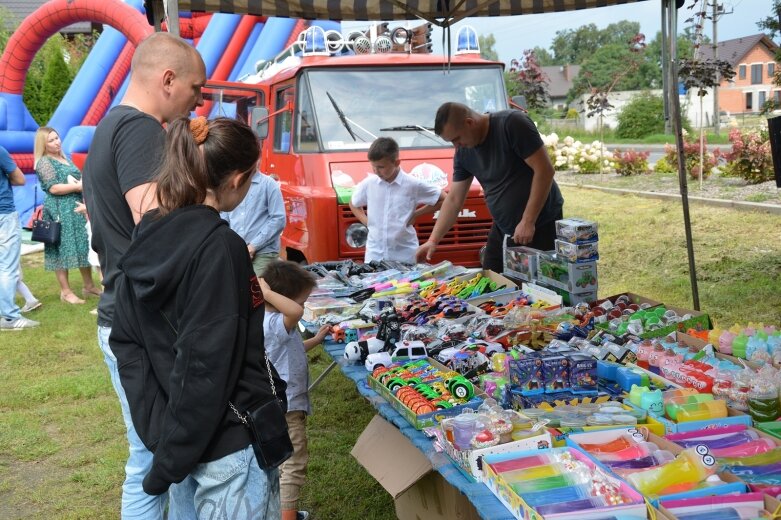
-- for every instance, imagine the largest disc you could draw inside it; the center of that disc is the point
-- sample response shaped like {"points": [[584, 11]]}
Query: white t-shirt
{"points": [[389, 206], [286, 352]]}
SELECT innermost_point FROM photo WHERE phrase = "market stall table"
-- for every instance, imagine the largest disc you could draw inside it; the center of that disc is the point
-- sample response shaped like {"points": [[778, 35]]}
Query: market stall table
{"points": [[484, 502]]}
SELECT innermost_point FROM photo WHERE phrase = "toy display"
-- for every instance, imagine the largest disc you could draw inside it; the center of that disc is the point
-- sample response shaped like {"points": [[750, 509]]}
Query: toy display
{"points": [[488, 370]]}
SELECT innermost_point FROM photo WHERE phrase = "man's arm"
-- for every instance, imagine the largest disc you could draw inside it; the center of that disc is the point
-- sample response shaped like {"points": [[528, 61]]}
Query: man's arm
{"points": [[16, 177], [448, 214], [541, 185], [141, 199]]}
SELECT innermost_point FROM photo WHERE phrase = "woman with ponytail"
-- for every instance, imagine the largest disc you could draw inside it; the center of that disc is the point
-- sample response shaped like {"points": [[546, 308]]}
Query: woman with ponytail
{"points": [[188, 330]]}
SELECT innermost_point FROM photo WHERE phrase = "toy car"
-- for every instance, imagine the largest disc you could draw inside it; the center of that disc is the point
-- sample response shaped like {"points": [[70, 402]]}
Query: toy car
{"points": [[358, 350], [488, 348], [401, 351]]}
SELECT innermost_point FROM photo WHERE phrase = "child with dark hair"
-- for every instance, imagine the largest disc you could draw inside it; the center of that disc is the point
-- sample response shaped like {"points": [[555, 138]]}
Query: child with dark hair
{"points": [[187, 331], [286, 286], [393, 200]]}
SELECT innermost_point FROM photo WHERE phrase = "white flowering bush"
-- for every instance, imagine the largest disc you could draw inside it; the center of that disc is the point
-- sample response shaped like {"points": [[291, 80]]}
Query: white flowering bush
{"points": [[569, 154]]}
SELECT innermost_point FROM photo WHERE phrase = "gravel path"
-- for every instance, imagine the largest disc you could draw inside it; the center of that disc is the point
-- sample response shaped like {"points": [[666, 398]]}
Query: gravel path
{"points": [[714, 187]]}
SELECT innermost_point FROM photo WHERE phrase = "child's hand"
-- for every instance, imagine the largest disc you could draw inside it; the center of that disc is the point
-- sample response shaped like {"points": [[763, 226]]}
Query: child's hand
{"points": [[264, 286], [322, 333]]}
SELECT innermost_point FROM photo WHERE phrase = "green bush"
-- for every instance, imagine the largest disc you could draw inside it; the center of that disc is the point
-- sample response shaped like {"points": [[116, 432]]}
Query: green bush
{"points": [[662, 165], [642, 116], [631, 162]]}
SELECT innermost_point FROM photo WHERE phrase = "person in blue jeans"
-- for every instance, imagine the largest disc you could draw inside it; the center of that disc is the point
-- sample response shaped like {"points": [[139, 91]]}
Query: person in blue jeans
{"points": [[166, 77], [11, 318], [188, 331]]}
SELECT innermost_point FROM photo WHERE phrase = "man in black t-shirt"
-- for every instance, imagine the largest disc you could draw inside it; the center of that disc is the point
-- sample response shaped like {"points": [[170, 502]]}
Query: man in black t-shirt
{"points": [[505, 153], [165, 83]]}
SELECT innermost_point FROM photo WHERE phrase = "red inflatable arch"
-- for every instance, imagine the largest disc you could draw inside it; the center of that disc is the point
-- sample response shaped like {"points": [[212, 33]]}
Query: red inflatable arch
{"points": [[55, 15]]}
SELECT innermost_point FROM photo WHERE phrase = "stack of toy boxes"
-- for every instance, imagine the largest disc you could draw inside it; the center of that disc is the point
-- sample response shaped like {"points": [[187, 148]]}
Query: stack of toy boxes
{"points": [[571, 268]]}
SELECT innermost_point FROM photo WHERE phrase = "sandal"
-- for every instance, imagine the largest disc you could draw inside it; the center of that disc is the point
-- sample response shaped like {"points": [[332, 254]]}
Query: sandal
{"points": [[71, 298], [94, 291]]}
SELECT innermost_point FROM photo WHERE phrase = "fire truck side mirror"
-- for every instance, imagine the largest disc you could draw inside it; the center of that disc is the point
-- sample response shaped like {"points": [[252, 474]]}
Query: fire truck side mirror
{"points": [[260, 121]]}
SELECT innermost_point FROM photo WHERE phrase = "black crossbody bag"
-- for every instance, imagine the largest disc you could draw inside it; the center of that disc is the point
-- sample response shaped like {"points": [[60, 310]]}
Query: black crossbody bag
{"points": [[266, 424], [45, 231]]}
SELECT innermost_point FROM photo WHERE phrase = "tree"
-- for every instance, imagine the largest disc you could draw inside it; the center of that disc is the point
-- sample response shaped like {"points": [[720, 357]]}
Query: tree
{"points": [[486, 44], [55, 82], [544, 57], [576, 45], [607, 67], [652, 75], [531, 80]]}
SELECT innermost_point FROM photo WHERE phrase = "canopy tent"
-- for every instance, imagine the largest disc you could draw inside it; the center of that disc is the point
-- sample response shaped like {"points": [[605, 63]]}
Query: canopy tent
{"points": [[445, 13], [440, 12]]}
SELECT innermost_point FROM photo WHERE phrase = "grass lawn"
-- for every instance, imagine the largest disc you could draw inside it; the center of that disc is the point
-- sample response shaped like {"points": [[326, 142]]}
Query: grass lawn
{"points": [[62, 445]]}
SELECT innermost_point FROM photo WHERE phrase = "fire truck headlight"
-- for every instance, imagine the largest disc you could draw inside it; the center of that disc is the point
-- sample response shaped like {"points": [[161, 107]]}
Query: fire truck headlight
{"points": [[356, 234]]}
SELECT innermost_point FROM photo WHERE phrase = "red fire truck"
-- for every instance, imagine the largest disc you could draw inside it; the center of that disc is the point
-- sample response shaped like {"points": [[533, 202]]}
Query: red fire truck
{"points": [[319, 112]]}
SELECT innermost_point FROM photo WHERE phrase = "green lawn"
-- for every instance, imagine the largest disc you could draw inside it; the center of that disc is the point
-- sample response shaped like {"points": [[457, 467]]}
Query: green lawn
{"points": [[62, 446]]}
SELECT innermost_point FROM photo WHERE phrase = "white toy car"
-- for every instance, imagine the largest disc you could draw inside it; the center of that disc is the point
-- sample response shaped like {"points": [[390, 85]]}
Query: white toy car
{"points": [[487, 348], [404, 350], [358, 350]]}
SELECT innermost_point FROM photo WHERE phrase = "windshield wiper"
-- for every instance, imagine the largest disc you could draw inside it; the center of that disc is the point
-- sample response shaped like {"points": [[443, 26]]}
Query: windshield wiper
{"points": [[428, 132], [342, 117]]}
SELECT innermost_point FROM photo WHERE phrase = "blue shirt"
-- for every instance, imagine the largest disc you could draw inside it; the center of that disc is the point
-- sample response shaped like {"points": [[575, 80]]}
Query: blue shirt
{"points": [[286, 352], [7, 167], [260, 218]]}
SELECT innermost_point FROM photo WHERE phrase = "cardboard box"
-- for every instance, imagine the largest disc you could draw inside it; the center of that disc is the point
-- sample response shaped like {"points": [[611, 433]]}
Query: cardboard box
{"points": [[577, 253], [577, 230], [633, 298], [520, 262], [698, 320], [569, 298], [428, 419], [522, 511], [771, 505], [404, 472], [733, 417], [470, 462], [555, 271], [732, 484], [316, 307]]}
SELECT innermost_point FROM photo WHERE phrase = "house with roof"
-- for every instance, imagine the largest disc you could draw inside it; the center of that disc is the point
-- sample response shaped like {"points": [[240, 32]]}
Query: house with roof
{"points": [[20, 9], [560, 78], [753, 58]]}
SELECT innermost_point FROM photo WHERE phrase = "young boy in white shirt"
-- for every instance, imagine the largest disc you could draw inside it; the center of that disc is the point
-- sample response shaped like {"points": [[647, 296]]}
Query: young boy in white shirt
{"points": [[393, 201]]}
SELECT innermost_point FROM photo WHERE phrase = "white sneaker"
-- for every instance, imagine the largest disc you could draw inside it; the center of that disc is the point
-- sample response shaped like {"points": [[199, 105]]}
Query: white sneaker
{"points": [[17, 324], [31, 306]]}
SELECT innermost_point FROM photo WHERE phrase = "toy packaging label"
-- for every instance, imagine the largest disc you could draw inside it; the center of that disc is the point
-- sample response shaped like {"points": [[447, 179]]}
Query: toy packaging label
{"points": [[555, 370], [520, 262], [583, 373], [526, 374], [577, 253], [577, 231], [555, 271]]}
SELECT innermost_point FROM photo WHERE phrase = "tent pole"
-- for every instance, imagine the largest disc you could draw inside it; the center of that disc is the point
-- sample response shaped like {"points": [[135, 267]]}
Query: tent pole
{"points": [[665, 70], [675, 106], [172, 16]]}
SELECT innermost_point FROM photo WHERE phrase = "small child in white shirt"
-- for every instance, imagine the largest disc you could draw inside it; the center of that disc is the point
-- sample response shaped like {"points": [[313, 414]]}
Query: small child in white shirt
{"points": [[393, 200]]}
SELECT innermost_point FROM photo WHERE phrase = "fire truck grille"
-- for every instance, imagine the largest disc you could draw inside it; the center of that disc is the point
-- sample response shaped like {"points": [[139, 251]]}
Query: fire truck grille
{"points": [[469, 233]]}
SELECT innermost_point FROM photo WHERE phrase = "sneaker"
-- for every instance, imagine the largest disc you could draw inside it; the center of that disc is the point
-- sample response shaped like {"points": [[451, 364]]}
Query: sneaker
{"points": [[302, 515], [17, 324], [31, 306]]}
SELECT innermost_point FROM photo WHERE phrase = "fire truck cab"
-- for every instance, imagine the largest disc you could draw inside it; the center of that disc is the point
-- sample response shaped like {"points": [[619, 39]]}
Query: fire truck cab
{"points": [[318, 115]]}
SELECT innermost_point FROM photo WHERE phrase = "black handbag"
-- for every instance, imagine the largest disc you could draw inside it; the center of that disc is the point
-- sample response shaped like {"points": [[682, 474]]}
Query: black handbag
{"points": [[46, 231], [268, 428]]}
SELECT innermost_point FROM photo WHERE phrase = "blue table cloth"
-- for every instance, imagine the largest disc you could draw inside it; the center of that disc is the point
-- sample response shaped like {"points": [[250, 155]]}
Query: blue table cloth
{"points": [[486, 504]]}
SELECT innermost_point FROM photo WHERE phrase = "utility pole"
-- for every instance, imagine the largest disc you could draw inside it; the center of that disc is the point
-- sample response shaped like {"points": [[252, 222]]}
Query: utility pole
{"points": [[716, 110], [718, 11]]}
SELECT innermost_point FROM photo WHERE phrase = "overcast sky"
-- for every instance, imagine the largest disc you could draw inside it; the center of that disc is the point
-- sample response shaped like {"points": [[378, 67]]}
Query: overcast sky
{"points": [[515, 33]]}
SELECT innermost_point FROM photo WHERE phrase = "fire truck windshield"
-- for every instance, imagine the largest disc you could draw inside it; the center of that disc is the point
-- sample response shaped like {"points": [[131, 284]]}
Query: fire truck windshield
{"points": [[346, 109]]}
